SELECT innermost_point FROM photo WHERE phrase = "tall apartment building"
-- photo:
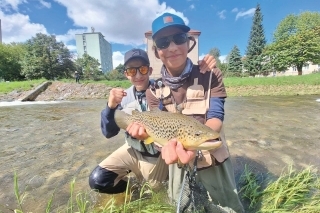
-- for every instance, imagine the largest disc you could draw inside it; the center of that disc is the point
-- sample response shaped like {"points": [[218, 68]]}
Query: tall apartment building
{"points": [[97, 47], [156, 63]]}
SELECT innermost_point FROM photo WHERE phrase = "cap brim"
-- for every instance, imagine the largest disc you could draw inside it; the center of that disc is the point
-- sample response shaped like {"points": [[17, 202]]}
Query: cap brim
{"points": [[183, 27]]}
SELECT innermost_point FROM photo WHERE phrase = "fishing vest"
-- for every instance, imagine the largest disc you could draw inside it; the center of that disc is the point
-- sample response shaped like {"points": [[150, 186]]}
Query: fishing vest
{"points": [[196, 103], [130, 103]]}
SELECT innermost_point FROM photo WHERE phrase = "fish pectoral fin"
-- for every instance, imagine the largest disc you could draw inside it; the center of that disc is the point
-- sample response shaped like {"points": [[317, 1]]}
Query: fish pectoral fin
{"points": [[149, 140]]}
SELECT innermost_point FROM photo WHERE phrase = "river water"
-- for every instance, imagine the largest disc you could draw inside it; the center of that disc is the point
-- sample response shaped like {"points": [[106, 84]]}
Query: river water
{"points": [[48, 144]]}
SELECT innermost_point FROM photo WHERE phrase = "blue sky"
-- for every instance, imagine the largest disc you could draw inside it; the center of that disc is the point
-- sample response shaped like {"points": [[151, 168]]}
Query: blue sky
{"points": [[223, 23]]}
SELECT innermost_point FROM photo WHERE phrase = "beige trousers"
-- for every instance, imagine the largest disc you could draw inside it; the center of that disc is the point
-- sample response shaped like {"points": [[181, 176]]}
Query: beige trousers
{"points": [[126, 159]]}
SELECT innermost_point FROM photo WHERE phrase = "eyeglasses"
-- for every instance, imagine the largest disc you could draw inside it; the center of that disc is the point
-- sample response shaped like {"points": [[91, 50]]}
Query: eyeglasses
{"points": [[164, 42], [132, 71]]}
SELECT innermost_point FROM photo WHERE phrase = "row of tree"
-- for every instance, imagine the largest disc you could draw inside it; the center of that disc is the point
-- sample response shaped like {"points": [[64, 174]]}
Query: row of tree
{"points": [[296, 42], [43, 56]]}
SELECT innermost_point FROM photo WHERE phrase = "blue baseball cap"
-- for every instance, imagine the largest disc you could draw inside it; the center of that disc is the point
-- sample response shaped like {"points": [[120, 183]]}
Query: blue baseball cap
{"points": [[167, 20]]}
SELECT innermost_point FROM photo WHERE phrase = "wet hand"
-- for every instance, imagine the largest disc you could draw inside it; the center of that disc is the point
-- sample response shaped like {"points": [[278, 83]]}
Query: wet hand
{"points": [[207, 63], [115, 97], [137, 131], [174, 150]]}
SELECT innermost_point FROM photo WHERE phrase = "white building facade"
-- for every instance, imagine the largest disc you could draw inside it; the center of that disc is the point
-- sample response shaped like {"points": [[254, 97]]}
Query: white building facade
{"points": [[97, 47]]}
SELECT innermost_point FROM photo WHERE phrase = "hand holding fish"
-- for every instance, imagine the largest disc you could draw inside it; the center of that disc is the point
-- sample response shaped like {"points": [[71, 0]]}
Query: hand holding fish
{"points": [[115, 97], [137, 131], [174, 151]]}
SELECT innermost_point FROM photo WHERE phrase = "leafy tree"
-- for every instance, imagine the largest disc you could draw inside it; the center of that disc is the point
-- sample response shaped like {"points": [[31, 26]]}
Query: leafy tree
{"points": [[46, 58], [224, 69], [254, 61], [215, 52], [10, 58], [235, 63], [296, 41], [117, 73], [89, 67], [120, 68]]}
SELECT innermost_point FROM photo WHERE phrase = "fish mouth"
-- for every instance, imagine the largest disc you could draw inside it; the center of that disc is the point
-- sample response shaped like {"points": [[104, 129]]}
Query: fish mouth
{"points": [[211, 144]]}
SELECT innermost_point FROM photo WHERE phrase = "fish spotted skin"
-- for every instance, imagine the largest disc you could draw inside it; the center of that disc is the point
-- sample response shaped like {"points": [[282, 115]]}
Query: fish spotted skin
{"points": [[162, 126]]}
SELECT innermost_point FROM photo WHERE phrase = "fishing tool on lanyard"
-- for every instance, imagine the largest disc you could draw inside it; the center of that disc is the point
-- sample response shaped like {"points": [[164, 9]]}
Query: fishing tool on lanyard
{"points": [[193, 195]]}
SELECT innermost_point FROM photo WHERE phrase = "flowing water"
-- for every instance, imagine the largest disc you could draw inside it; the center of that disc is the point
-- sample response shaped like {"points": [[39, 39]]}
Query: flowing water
{"points": [[48, 144]]}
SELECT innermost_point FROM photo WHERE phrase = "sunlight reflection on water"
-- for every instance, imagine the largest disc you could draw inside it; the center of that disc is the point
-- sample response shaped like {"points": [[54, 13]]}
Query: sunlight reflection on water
{"points": [[19, 103]]}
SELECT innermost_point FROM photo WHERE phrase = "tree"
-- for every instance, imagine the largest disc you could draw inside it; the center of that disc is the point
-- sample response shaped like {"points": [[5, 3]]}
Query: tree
{"points": [[46, 58], [10, 61], [89, 67], [235, 63], [117, 73], [120, 68], [254, 58], [215, 52], [296, 41]]}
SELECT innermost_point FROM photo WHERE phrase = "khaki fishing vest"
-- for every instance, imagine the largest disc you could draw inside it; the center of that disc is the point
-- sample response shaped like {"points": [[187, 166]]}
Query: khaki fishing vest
{"points": [[197, 102]]}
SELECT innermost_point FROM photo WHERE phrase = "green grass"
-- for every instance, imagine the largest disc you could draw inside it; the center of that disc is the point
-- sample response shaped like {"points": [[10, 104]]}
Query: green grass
{"points": [[311, 79], [6, 87], [147, 202], [293, 191]]}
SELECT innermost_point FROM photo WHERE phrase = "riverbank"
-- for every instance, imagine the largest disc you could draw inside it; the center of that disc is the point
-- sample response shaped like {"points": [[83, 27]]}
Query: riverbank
{"points": [[236, 87]]}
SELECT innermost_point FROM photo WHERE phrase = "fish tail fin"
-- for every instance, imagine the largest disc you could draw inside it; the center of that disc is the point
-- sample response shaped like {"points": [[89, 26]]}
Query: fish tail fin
{"points": [[121, 118]]}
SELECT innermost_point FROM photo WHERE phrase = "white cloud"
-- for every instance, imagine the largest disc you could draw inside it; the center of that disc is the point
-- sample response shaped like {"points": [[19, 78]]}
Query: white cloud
{"points": [[234, 10], [8, 5], [120, 21], [246, 14], [45, 4], [192, 6], [69, 37], [222, 14], [223, 58], [117, 58], [18, 28]]}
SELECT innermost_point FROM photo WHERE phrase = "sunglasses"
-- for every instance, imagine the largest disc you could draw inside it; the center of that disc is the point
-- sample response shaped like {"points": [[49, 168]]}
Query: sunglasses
{"points": [[132, 71], [164, 42]]}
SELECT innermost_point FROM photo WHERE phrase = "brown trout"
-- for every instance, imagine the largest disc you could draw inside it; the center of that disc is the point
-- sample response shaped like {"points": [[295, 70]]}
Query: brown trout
{"points": [[162, 126]]}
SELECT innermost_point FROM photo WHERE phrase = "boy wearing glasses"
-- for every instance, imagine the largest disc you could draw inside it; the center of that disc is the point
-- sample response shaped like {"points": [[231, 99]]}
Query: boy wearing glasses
{"points": [[192, 91], [133, 156]]}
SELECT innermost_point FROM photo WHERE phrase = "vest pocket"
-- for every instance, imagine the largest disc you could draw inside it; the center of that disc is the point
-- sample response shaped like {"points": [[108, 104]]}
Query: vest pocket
{"points": [[196, 100]]}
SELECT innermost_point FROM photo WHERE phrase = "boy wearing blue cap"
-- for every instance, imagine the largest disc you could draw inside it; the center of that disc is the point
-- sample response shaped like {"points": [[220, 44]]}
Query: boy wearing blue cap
{"points": [[187, 89]]}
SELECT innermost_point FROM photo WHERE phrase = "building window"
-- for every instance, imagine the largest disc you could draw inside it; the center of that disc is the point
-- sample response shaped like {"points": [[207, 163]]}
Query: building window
{"points": [[84, 43], [83, 37], [85, 48]]}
